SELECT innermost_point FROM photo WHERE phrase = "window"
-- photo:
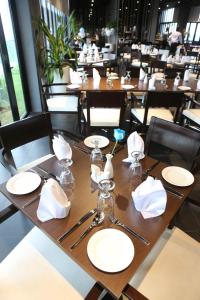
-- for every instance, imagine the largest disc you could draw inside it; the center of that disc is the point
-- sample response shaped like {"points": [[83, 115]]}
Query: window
{"points": [[192, 33], [166, 21]]}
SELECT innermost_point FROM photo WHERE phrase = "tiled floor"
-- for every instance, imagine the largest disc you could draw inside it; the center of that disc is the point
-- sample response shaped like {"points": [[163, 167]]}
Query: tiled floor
{"points": [[16, 227]]}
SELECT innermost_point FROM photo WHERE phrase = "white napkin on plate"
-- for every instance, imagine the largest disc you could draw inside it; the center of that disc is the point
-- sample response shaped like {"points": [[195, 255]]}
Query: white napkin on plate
{"points": [[150, 198], [61, 148], [142, 74], [134, 143], [53, 202], [98, 175], [75, 77]]}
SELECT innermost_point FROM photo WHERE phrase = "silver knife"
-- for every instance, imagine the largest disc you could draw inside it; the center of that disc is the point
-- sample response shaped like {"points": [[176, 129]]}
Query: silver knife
{"points": [[173, 191], [82, 220]]}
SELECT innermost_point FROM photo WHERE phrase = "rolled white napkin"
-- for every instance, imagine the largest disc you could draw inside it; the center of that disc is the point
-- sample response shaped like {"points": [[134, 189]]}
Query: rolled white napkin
{"points": [[198, 84], [150, 198], [98, 175], [53, 203], [186, 75], [152, 84], [75, 77], [61, 148], [142, 74], [134, 143]]}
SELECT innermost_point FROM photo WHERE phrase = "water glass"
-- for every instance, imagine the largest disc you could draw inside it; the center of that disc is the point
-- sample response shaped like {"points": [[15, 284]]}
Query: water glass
{"points": [[135, 170], [66, 176], [96, 156]]}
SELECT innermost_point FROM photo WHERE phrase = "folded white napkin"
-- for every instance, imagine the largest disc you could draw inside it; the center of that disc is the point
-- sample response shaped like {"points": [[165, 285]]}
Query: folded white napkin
{"points": [[163, 57], [53, 202], [150, 198], [134, 143], [96, 75], [142, 74], [61, 148], [152, 84], [145, 79], [98, 175], [75, 77], [186, 75], [198, 84], [169, 59]]}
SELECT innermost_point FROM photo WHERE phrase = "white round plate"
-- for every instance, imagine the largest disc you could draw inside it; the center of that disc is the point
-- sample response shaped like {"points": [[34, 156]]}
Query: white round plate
{"points": [[110, 250], [127, 86], [73, 86], [103, 141], [114, 77], [23, 183], [177, 176], [184, 88]]}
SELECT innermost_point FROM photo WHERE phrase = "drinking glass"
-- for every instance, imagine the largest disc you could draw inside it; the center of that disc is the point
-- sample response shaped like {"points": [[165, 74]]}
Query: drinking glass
{"points": [[164, 81], [66, 176], [128, 76], [105, 202], [135, 169], [96, 156]]}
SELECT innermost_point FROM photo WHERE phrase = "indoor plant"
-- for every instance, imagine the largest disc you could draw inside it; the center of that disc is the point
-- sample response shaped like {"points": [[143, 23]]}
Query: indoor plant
{"points": [[55, 51]]}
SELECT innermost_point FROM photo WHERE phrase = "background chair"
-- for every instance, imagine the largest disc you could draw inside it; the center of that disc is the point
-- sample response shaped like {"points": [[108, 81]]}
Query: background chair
{"points": [[157, 104], [158, 66], [57, 99], [175, 272], [104, 110], [191, 116], [20, 133]]}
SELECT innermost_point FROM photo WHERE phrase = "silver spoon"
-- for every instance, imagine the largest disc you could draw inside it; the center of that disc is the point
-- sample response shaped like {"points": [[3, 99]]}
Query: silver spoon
{"points": [[96, 221]]}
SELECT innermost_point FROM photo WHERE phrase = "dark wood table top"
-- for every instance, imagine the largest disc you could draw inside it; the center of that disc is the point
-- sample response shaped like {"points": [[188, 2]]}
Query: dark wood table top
{"points": [[139, 86], [84, 198]]}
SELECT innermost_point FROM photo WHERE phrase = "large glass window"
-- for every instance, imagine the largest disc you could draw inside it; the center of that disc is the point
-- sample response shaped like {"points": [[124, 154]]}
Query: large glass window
{"points": [[12, 103], [166, 21], [192, 32]]}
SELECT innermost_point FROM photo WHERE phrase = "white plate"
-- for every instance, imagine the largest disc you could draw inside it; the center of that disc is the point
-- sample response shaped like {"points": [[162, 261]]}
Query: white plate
{"points": [[127, 86], [177, 176], [114, 77], [73, 86], [23, 183], [103, 141], [110, 250], [184, 88]]}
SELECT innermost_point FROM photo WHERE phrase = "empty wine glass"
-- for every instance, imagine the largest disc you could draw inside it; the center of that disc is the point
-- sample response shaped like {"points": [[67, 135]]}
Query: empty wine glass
{"points": [[163, 80], [66, 176], [105, 202], [128, 76], [96, 156], [135, 169]]}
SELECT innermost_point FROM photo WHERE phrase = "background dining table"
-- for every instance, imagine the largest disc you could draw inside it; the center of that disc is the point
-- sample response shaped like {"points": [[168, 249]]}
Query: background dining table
{"points": [[84, 198], [137, 85]]}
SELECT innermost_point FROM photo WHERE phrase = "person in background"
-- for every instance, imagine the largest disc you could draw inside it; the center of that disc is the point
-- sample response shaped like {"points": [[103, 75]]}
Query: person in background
{"points": [[175, 39], [165, 37]]}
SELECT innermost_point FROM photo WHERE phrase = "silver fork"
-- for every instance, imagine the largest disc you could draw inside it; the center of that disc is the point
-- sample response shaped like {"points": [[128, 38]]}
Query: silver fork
{"points": [[135, 234], [96, 221]]}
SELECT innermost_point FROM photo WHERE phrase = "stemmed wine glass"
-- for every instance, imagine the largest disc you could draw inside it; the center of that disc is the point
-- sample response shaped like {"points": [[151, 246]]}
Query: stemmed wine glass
{"points": [[105, 202], [135, 169], [96, 156], [66, 176]]}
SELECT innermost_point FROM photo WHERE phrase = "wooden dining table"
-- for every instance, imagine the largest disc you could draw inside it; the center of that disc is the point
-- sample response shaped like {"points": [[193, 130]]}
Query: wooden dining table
{"points": [[137, 85], [84, 198]]}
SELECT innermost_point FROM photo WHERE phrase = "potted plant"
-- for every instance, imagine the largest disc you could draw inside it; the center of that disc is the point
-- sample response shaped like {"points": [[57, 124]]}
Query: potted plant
{"points": [[55, 51]]}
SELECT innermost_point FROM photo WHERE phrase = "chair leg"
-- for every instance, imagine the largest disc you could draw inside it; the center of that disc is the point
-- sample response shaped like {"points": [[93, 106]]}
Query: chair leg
{"points": [[7, 212], [95, 292]]}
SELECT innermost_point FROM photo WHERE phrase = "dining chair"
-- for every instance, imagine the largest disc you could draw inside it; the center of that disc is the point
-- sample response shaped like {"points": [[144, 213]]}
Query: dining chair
{"points": [[58, 99], [174, 274], [20, 133], [173, 144], [157, 104], [158, 66], [191, 115], [104, 110], [100, 69], [38, 269], [172, 72]]}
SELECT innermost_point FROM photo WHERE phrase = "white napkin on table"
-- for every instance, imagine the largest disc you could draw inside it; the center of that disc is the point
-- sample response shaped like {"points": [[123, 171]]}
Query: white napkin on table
{"points": [[152, 83], [96, 75], [53, 202], [61, 148], [134, 143], [98, 175], [198, 84], [150, 198], [186, 75], [142, 74], [74, 77]]}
